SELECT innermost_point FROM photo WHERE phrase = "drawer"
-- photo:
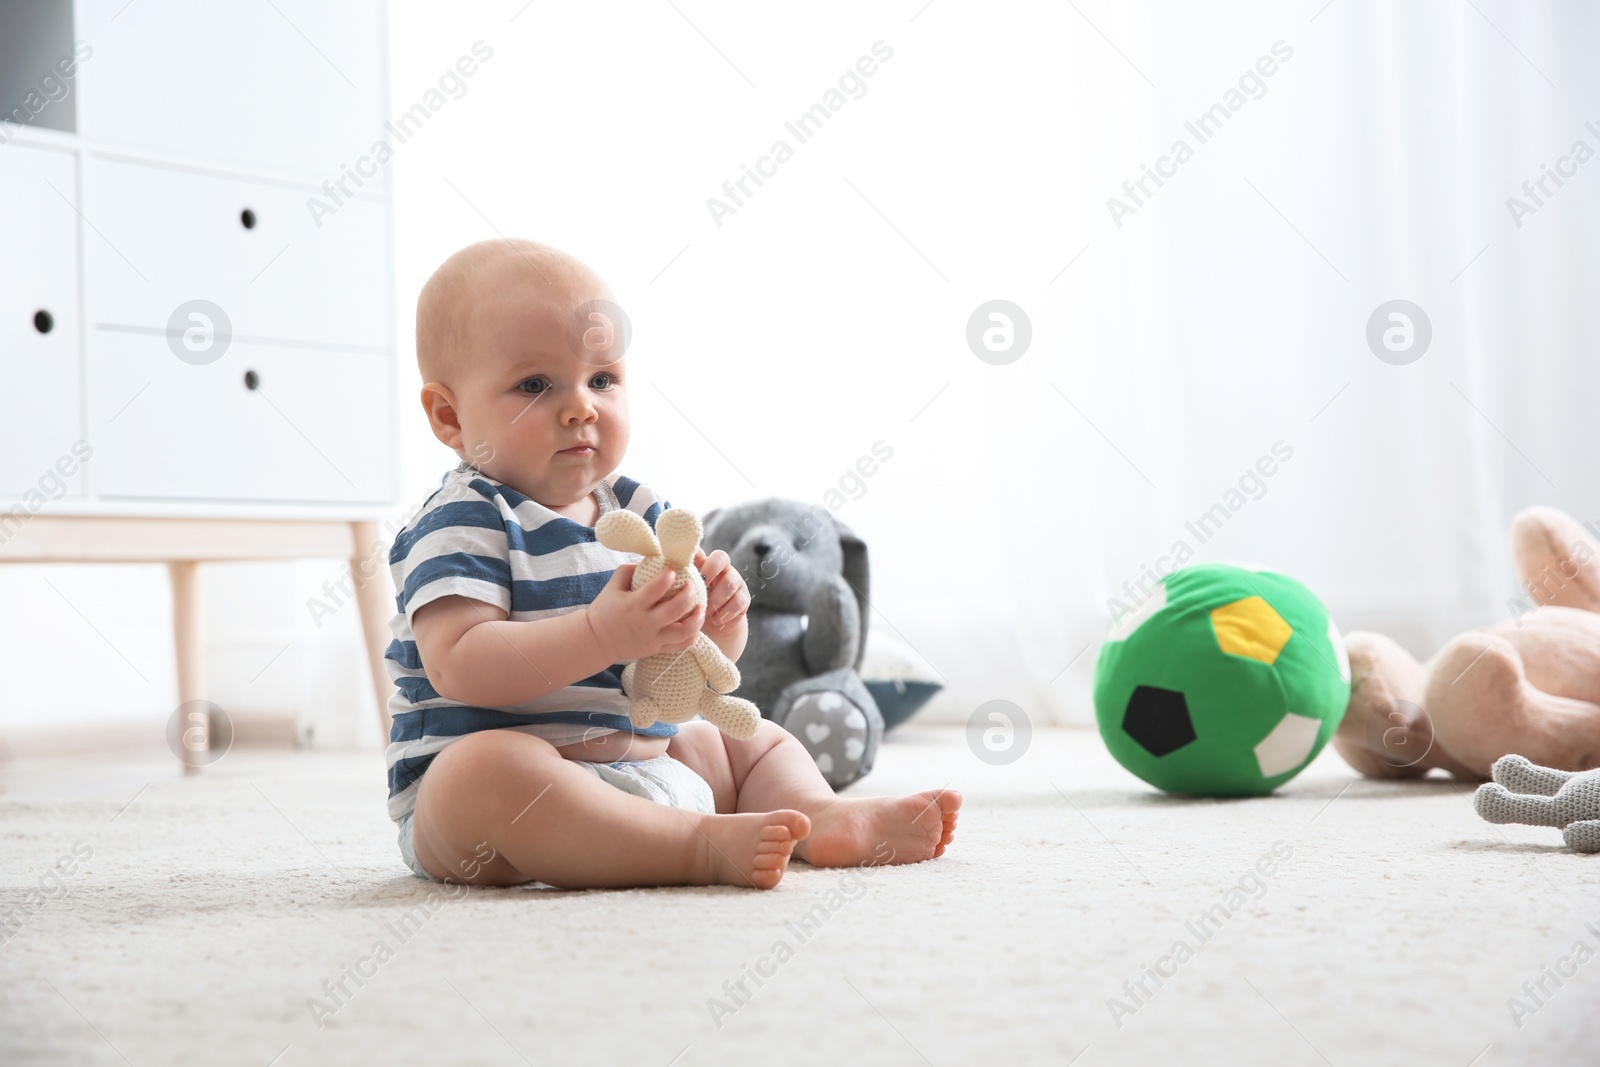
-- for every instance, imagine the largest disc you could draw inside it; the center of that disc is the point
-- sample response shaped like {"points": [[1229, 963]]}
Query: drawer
{"points": [[260, 423], [39, 288], [291, 86], [163, 237]]}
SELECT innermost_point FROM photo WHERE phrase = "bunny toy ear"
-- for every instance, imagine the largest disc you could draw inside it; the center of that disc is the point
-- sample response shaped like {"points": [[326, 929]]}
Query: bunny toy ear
{"points": [[625, 531], [680, 532]]}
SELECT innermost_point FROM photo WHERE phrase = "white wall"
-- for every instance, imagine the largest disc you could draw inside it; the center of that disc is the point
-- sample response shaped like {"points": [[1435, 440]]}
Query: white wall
{"points": [[829, 310]]}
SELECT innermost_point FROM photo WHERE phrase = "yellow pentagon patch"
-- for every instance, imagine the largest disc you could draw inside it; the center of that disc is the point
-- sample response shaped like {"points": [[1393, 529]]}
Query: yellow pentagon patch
{"points": [[1250, 627]]}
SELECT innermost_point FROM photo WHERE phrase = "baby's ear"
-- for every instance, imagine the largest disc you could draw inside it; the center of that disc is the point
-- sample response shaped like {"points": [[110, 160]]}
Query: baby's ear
{"points": [[626, 531], [679, 531]]}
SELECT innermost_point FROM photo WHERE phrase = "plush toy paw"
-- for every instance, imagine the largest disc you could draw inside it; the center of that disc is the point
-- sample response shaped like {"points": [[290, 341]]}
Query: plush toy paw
{"points": [[644, 713], [1524, 792], [1521, 775], [1583, 836], [734, 716], [836, 731]]}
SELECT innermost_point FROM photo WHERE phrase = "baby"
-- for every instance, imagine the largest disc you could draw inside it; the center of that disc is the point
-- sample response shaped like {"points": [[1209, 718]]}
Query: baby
{"points": [[512, 757]]}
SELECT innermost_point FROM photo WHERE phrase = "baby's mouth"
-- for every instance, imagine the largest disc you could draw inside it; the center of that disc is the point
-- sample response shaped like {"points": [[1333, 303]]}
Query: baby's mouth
{"points": [[578, 450]]}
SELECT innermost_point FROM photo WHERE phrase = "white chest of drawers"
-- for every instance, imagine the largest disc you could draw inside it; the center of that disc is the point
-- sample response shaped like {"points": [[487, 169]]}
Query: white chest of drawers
{"points": [[161, 161]]}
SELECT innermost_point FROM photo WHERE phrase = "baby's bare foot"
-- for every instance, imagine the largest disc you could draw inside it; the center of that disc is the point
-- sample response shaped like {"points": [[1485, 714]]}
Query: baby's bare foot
{"points": [[752, 849], [880, 830]]}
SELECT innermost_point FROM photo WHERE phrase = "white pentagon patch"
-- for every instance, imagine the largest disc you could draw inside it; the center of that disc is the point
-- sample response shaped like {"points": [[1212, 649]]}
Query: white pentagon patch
{"points": [[1340, 653], [1123, 628], [1286, 747]]}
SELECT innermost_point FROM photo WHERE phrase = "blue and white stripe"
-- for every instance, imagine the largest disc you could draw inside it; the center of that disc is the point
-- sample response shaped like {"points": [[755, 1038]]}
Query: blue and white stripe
{"points": [[477, 537]]}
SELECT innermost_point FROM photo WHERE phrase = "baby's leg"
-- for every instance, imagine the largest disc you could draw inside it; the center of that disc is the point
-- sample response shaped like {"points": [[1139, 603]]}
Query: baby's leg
{"points": [[772, 770], [500, 807]]}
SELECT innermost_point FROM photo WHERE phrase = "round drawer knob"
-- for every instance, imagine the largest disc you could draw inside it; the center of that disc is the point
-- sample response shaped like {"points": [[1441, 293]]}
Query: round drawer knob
{"points": [[251, 379], [247, 219], [43, 321]]}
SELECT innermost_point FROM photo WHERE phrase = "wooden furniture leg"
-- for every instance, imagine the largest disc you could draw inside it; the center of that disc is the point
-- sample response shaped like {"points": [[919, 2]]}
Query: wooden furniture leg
{"points": [[369, 569], [183, 544], [194, 737]]}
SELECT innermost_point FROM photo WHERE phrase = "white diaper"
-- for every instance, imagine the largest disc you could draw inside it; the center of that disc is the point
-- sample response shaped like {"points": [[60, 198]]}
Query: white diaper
{"points": [[662, 779]]}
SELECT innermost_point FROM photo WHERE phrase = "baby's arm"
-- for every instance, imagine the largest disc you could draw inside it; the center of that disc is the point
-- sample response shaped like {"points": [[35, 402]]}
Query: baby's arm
{"points": [[727, 601], [730, 639], [474, 654]]}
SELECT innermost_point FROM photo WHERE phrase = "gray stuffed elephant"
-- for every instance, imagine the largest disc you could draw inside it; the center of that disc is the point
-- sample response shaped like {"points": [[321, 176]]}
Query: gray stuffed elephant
{"points": [[807, 574]]}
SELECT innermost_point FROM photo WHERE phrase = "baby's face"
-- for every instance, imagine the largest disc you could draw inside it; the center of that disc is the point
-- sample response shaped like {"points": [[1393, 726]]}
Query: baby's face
{"points": [[547, 417]]}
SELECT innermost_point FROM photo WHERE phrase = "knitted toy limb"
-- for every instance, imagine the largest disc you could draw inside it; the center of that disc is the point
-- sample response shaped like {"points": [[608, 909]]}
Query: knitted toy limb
{"points": [[721, 674], [734, 716], [670, 687], [1524, 792]]}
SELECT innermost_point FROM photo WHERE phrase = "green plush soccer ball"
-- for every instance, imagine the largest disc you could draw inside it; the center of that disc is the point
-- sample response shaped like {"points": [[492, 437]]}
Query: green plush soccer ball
{"points": [[1225, 682]]}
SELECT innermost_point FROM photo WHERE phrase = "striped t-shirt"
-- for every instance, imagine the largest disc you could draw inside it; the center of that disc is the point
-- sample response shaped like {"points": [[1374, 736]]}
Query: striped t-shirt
{"points": [[477, 537]]}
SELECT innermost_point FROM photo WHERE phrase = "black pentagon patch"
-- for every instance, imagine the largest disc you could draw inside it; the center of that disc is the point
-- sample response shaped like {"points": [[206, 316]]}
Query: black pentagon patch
{"points": [[1158, 719]]}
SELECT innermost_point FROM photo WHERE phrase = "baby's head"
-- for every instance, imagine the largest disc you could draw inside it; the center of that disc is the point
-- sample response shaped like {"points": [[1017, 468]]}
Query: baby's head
{"points": [[520, 377]]}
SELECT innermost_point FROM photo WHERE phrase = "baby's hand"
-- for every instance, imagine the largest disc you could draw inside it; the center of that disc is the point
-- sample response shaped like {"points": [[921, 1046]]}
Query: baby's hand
{"points": [[632, 623], [727, 595]]}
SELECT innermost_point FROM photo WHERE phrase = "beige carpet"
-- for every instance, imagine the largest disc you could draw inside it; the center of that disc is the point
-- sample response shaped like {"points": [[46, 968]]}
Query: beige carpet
{"points": [[211, 911]]}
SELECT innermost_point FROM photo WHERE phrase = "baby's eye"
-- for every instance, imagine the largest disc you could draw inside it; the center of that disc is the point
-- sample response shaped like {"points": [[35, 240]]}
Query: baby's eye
{"points": [[534, 386], [601, 381]]}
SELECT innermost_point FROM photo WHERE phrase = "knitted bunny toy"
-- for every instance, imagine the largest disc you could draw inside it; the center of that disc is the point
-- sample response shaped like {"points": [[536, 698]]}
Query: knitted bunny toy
{"points": [[671, 687], [1540, 796]]}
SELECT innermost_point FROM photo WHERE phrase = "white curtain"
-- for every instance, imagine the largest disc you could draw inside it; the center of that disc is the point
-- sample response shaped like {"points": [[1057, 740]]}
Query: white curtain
{"points": [[1227, 313]]}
